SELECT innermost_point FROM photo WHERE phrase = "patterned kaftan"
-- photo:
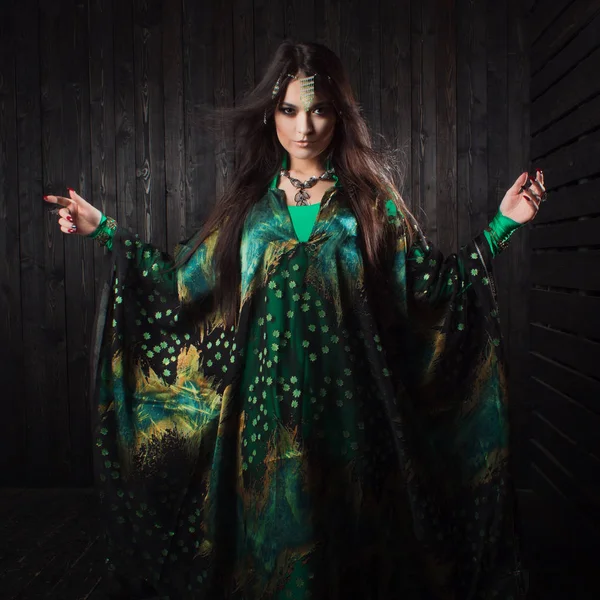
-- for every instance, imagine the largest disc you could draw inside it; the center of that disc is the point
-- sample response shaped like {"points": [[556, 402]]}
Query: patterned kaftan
{"points": [[305, 453]]}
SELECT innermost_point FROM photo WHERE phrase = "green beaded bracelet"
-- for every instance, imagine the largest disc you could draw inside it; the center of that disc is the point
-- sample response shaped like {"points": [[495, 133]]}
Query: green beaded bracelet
{"points": [[105, 231], [501, 228]]}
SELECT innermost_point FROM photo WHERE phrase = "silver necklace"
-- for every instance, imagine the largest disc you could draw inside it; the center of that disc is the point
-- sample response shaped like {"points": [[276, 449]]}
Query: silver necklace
{"points": [[302, 195]]}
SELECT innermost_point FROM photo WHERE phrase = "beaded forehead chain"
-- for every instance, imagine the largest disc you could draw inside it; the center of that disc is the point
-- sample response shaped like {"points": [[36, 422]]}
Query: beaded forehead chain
{"points": [[307, 90]]}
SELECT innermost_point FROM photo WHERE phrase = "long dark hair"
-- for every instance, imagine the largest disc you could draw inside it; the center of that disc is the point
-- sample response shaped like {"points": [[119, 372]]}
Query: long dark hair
{"points": [[365, 174]]}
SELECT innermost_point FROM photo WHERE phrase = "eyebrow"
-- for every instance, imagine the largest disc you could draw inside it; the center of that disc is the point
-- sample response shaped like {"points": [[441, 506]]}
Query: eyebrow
{"points": [[323, 103]]}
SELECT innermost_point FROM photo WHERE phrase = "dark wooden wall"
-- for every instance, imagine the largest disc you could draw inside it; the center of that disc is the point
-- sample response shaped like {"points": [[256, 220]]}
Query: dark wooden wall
{"points": [[106, 97], [563, 383]]}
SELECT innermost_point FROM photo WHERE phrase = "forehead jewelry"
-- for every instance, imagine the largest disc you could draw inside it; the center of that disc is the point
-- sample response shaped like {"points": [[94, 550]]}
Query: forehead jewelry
{"points": [[307, 90]]}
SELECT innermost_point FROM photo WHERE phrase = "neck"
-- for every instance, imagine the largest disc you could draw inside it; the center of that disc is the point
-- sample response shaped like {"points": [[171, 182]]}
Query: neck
{"points": [[305, 168]]}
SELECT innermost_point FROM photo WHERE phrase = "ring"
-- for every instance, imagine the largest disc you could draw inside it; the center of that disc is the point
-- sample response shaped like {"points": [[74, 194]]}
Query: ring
{"points": [[55, 211], [526, 186]]}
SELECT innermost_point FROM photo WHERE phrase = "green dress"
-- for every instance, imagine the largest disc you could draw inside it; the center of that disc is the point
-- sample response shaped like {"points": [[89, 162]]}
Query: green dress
{"points": [[315, 450]]}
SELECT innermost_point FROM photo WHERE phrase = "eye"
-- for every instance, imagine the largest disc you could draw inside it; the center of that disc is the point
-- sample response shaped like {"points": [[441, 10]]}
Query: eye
{"points": [[323, 110], [284, 110]]}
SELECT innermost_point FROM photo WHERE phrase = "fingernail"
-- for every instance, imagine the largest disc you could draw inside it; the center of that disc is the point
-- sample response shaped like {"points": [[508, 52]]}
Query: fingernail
{"points": [[45, 197], [69, 218], [73, 226], [70, 189]]}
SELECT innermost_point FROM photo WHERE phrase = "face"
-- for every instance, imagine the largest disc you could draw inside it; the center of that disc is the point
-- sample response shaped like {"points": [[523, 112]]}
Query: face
{"points": [[293, 123]]}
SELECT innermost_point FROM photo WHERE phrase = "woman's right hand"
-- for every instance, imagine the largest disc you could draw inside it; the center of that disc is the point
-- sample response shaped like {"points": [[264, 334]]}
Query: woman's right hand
{"points": [[77, 215]]}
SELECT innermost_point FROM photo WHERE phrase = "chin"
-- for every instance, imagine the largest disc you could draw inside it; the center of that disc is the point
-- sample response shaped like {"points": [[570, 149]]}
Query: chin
{"points": [[304, 153]]}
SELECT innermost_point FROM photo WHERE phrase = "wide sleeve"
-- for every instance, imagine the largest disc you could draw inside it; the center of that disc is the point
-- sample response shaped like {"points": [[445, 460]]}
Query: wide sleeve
{"points": [[159, 367], [451, 362], [450, 302]]}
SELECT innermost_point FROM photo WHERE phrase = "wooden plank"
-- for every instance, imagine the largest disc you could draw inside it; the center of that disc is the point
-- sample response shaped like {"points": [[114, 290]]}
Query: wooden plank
{"points": [[198, 82], [223, 93], [359, 21], [86, 573], [243, 47], [566, 380], [39, 74], [574, 422], [103, 184], [578, 270], [564, 44], [573, 162], [11, 505], [571, 312], [518, 251], [564, 481], [268, 33], [568, 129], [243, 52], [45, 539], [30, 506], [570, 201], [573, 530], [496, 129], [395, 90], [350, 51], [543, 15], [125, 115], [369, 32], [528, 6], [424, 173], [48, 557], [328, 24], [172, 60], [564, 31], [572, 234], [564, 545], [12, 427], [43, 512], [32, 242], [299, 20], [445, 152], [79, 552], [573, 89], [472, 121], [580, 354], [73, 55], [149, 122]]}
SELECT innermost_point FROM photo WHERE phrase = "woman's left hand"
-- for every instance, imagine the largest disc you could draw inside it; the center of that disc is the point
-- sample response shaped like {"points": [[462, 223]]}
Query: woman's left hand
{"points": [[521, 205]]}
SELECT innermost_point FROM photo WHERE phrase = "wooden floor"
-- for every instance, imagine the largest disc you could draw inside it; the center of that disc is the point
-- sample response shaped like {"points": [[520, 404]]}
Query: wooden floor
{"points": [[50, 544], [51, 547]]}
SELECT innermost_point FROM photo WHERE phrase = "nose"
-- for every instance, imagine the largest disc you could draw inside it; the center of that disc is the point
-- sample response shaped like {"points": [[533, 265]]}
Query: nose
{"points": [[304, 123]]}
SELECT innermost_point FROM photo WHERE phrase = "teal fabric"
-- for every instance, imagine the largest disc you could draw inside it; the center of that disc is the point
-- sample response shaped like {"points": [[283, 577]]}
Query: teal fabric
{"points": [[101, 228], [303, 219], [503, 227], [337, 442]]}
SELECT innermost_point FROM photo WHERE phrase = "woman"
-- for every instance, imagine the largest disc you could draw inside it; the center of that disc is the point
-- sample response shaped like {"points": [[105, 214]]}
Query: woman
{"points": [[307, 400]]}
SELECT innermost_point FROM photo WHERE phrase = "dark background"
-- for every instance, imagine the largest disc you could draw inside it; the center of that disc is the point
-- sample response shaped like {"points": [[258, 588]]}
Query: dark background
{"points": [[107, 97]]}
